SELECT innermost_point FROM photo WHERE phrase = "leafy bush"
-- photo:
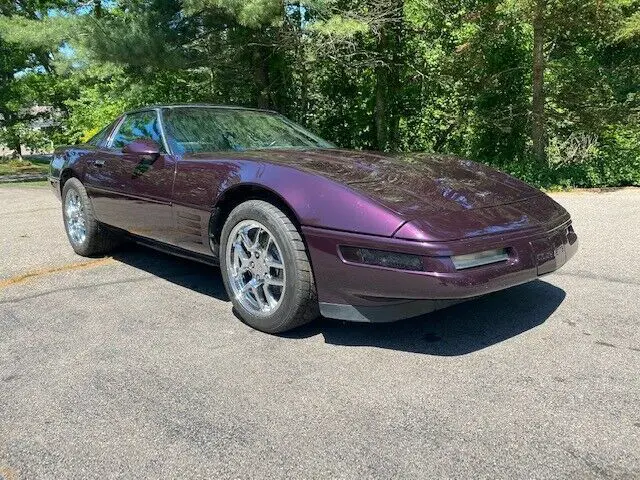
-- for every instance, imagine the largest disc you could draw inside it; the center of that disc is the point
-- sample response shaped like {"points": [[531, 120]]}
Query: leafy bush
{"points": [[582, 161]]}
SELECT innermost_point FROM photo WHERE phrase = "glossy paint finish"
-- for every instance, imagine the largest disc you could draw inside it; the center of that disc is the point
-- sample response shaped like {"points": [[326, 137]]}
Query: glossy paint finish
{"points": [[530, 255], [143, 147], [315, 199], [132, 194], [442, 198], [432, 206]]}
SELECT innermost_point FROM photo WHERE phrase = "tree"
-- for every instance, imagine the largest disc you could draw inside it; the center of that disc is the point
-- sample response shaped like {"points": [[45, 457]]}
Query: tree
{"points": [[538, 130], [544, 89], [29, 38]]}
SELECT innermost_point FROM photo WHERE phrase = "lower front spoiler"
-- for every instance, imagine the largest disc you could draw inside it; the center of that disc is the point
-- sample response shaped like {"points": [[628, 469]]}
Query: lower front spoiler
{"points": [[385, 313], [367, 293]]}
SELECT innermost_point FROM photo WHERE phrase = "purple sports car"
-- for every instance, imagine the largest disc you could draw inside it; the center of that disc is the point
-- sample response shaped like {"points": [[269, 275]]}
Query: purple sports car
{"points": [[300, 227]]}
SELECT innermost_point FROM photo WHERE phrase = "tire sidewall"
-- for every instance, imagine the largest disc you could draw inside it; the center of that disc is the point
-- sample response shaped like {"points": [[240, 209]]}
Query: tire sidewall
{"points": [[75, 185], [272, 321]]}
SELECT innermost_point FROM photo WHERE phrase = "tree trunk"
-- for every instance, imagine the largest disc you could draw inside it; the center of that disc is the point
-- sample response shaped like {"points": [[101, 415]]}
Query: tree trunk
{"points": [[304, 73], [97, 8], [304, 93], [538, 131], [17, 145], [301, 80], [380, 118], [394, 87], [387, 74], [261, 74], [380, 112]]}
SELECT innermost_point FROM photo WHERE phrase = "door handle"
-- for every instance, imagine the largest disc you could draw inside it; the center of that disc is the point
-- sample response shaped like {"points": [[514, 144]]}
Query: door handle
{"points": [[98, 163]]}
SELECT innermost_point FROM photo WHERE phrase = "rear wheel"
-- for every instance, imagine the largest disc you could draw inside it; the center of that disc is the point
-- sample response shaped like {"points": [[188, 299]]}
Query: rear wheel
{"points": [[86, 235], [266, 269]]}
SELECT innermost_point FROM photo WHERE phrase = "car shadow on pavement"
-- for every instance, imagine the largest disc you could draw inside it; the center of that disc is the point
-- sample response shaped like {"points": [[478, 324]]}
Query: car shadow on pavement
{"points": [[456, 330], [196, 276]]}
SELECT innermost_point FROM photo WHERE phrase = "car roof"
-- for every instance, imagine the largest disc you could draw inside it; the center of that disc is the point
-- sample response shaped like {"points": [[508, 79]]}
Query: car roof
{"points": [[198, 105]]}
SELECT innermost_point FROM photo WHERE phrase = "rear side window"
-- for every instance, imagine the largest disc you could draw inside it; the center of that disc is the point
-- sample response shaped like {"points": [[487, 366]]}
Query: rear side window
{"points": [[137, 125]]}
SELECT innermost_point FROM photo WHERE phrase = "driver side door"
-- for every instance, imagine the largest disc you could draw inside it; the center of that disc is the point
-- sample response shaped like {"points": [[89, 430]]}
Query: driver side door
{"points": [[131, 192]]}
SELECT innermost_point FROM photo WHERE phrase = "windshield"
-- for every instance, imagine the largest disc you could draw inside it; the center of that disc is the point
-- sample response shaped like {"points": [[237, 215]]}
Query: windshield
{"points": [[210, 129]]}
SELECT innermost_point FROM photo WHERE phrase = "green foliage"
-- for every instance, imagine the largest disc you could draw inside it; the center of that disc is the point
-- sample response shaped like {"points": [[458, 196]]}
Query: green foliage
{"points": [[36, 34], [339, 26], [14, 167], [630, 29], [428, 75], [250, 13]]}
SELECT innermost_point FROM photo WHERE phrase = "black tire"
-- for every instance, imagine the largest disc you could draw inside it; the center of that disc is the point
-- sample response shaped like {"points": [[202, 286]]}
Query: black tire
{"points": [[299, 304], [98, 239]]}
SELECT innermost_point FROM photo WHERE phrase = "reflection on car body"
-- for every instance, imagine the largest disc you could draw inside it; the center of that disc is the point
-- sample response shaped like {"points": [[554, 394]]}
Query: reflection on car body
{"points": [[300, 227]]}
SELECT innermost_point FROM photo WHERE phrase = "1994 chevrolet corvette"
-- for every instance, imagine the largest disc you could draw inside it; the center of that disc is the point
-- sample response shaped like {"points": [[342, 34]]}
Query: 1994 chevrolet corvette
{"points": [[300, 227]]}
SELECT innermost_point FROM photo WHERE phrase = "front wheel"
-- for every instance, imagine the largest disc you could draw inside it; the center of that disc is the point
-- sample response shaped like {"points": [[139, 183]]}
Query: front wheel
{"points": [[266, 269]]}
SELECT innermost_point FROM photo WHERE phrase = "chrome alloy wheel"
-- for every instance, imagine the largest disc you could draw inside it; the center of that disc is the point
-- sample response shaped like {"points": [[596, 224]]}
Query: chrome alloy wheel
{"points": [[76, 222], [255, 267]]}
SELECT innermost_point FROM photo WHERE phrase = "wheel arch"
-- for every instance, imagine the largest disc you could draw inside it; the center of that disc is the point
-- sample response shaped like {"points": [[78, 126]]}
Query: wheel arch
{"points": [[65, 175], [240, 193]]}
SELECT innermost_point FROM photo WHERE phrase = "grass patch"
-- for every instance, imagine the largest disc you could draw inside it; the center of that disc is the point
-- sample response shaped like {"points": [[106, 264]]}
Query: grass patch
{"points": [[38, 184], [15, 167], [38, 158]]}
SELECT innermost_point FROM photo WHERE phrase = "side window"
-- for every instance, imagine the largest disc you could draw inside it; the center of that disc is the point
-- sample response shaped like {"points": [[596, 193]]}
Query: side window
{"points": [[99, 138], [137, 125]]}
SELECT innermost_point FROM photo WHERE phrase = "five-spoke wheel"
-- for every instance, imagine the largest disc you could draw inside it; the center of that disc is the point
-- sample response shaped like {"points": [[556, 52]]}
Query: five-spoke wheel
{"points": [[87, 236], [266, 269], [76, 222], [255, 267]]}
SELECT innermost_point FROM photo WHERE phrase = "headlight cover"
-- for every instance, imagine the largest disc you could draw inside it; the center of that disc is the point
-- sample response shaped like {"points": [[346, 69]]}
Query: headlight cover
{"points": [[382, 258]]}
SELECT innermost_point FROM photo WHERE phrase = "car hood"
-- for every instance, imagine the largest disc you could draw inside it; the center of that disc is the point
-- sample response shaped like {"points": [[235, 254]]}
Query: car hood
{"points": [[416, 185], [445, 197]]}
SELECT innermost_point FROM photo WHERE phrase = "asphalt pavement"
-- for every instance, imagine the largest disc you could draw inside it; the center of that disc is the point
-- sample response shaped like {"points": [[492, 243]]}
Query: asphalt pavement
{"points": [[134, 366]]}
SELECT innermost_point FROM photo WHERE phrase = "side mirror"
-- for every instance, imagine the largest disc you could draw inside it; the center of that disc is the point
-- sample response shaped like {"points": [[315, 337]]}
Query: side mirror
{"points": [[145, 148]]}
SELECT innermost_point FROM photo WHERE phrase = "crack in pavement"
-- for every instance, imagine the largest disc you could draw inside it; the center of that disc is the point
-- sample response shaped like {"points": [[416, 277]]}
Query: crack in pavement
{"points": [[51, 270], [17, 212], [101, 284], [76, 288]]}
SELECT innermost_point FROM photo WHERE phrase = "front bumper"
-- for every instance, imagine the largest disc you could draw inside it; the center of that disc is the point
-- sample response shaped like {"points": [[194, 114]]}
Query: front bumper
{"points": [[360, 292]]}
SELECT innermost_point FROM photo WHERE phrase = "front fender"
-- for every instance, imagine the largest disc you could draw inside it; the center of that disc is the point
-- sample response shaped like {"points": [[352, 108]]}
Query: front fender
{"points": [[59, 163], [315, 200]]}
